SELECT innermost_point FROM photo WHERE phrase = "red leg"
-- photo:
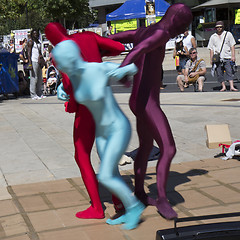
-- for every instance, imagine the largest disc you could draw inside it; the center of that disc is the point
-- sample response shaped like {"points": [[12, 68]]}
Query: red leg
{"points": [[84, 135]]}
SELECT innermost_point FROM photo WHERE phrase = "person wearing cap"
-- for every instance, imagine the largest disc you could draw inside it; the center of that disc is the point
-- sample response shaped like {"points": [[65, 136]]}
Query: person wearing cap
{"points": [[52, 78], [225, 40]]}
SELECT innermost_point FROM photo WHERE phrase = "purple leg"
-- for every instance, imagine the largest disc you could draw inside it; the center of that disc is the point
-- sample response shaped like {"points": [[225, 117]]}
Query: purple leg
{"points": [[141, 161], [157, 126]]}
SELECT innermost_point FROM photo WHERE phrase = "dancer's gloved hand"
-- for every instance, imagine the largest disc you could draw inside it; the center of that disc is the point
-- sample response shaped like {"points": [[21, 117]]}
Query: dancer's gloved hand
{"points": [[119, 73], [61, 94]]}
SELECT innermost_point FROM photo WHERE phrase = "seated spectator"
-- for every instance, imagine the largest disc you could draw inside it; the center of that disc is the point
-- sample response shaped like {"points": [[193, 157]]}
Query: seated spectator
{"points": [[23, 84], [181, 52], [195, 71], [52, 79]]}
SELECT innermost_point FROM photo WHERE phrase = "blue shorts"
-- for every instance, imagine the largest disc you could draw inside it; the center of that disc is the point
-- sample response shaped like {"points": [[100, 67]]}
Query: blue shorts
{"points": [[224, 71], [182, 63]]}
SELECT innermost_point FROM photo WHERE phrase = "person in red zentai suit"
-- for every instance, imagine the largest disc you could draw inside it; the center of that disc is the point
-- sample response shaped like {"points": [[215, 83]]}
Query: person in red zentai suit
{"points": [[93, 48]]}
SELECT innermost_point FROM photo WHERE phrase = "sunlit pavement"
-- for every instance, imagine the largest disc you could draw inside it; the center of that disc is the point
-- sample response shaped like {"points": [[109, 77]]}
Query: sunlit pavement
{"points": [[40, 184]]}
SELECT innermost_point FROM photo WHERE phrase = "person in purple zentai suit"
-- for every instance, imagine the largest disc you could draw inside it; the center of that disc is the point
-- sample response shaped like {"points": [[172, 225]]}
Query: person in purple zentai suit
{"points": [[148, 54]]}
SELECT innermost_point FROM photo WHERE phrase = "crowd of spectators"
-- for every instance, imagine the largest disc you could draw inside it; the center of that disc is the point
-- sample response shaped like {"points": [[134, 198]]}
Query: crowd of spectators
{"points": [[32, 79], [191, 70], [187, 62]]}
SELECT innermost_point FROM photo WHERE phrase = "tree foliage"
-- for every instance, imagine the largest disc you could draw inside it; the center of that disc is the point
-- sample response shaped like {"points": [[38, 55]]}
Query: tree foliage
{"points": [[73, 13], [22, 14]]}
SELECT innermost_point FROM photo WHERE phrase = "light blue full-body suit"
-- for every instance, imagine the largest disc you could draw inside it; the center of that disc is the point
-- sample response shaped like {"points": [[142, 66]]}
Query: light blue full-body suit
{"points": [[91, 88]]}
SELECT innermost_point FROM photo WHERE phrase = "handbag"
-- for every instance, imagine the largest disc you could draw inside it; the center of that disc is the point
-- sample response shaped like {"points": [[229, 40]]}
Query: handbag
{"points": [[29, 66], [216, 56], [41, 60], [195, 78], [192, 80], [177, 61]]}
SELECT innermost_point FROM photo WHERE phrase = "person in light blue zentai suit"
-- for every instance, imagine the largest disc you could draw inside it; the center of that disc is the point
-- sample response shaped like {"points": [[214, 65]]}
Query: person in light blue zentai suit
{"points": [[91, 88]]}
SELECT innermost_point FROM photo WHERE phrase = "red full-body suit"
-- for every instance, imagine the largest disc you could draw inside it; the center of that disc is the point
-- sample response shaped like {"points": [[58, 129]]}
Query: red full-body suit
{"points": [[93, 47]]}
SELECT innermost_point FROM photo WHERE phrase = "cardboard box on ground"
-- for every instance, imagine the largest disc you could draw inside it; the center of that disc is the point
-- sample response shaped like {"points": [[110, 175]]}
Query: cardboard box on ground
{"points": [[217, 134]]}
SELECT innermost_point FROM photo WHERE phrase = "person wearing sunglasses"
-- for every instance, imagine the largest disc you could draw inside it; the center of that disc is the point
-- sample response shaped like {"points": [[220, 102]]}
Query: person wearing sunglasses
{"points": [[195, 68], [223, 43]]}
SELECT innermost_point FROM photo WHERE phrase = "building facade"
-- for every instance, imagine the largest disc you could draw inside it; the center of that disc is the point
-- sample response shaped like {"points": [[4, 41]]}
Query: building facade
{"points": [[105, 7], [203, 21]]}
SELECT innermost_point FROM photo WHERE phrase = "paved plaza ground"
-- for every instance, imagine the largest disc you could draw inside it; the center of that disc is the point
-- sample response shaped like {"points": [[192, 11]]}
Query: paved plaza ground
{"points": [[45, 210], [41, 188]]}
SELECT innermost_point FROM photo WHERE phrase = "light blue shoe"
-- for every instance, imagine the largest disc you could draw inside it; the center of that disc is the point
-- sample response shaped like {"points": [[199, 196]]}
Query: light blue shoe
{"points": [[117, 221], [133, 215]]}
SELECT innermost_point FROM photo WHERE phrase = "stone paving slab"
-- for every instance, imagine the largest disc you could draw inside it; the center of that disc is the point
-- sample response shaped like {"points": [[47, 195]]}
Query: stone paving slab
{"points": [[37, 143], [46, 210], [40, 184]]}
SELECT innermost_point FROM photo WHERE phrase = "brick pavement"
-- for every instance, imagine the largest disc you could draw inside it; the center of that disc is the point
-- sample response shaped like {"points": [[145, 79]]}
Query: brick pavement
{"points": [[45, 210], [38, 151]]}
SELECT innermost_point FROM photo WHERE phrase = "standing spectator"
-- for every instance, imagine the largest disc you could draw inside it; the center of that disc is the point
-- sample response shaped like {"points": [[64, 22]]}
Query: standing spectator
{"points": [[109, 31], [195, 67], [11, 46], [24, 57], [50, 58], [181, 52], [223, 40], [36, 79], [189, 40]]}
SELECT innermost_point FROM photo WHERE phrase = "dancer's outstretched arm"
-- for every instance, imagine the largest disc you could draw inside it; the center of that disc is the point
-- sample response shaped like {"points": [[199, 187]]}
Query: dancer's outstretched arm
{"points": [[120, 72], [157, 39], [124, 37], [109, 47]]}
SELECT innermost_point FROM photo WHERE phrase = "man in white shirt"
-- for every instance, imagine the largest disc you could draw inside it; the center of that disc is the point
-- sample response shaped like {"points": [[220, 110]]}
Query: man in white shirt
{"points": [[189, 40], [227, 55]]}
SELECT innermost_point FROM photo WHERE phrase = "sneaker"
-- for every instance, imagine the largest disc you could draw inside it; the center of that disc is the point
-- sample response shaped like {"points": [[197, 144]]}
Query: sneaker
{"points": [[42, 96], [35, 98]]}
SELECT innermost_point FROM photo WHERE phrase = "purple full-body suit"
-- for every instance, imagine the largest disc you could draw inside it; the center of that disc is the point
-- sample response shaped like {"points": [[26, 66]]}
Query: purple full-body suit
{"points": [[148, 54]]}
